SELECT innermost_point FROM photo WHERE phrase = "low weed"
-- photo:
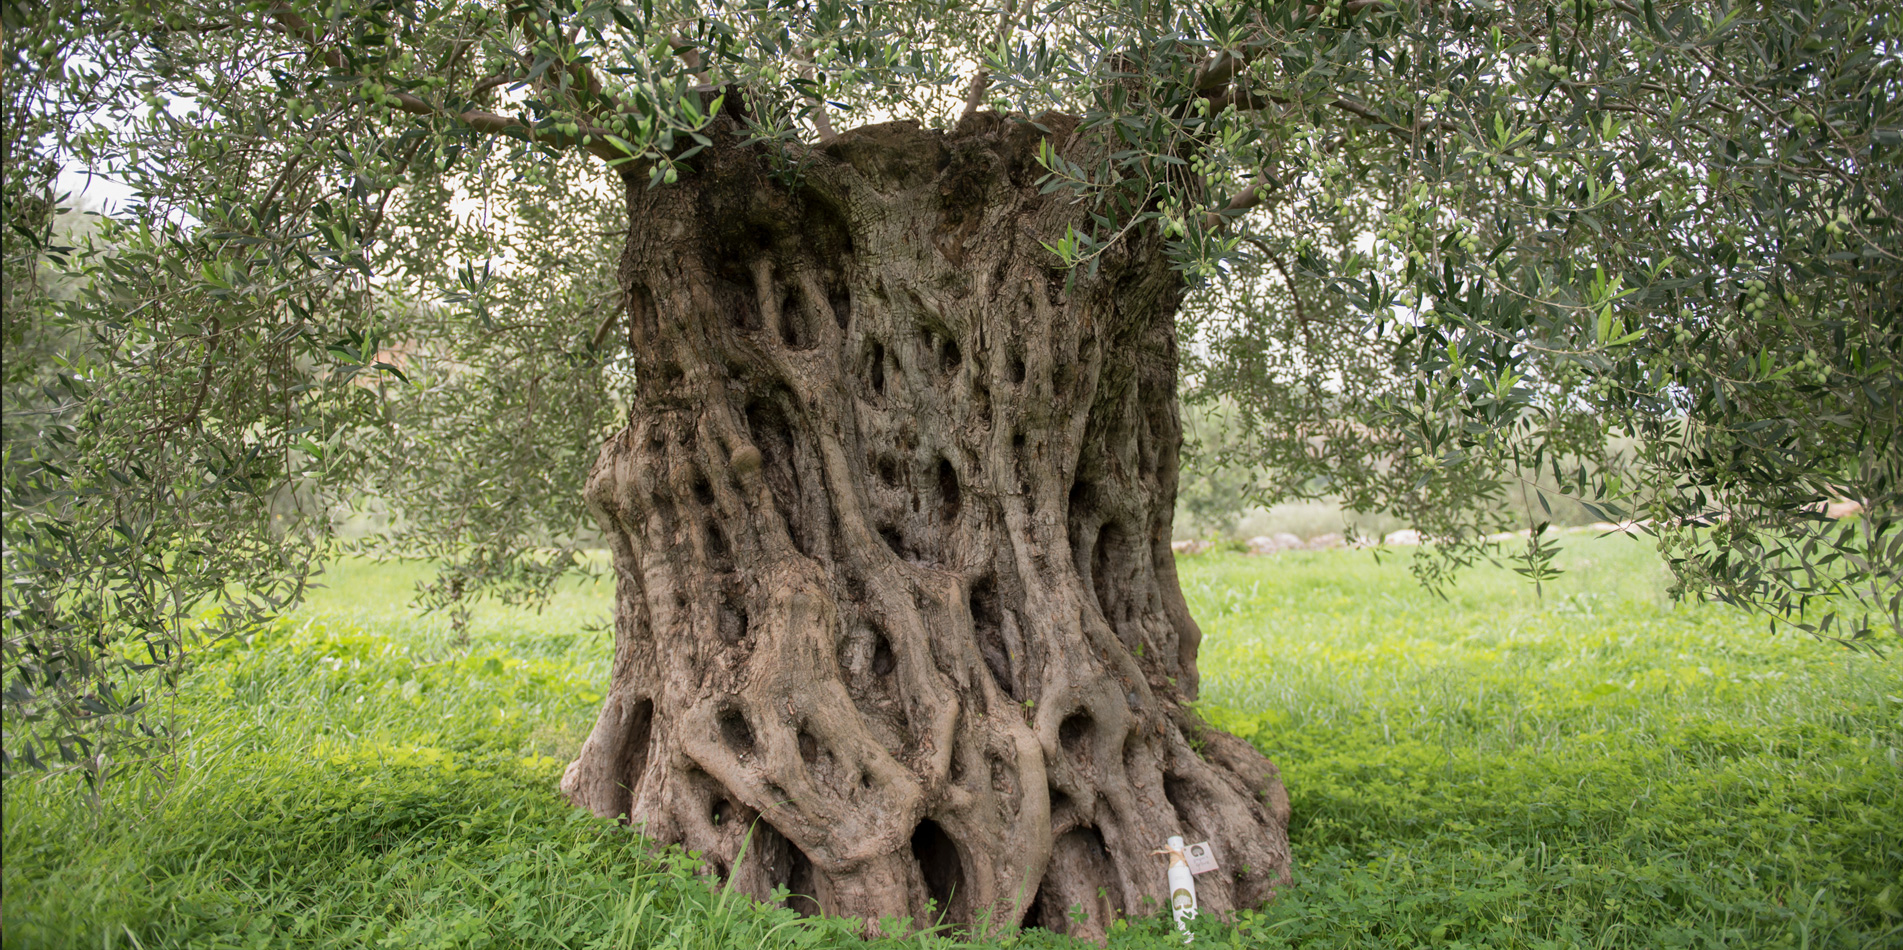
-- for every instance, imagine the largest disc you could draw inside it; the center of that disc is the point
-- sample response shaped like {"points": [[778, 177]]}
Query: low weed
{"points": [[1589, 767]]}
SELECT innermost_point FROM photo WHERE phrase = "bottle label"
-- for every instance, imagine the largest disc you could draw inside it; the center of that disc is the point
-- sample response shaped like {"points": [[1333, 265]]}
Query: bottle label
{"points": [[1202, 858]]}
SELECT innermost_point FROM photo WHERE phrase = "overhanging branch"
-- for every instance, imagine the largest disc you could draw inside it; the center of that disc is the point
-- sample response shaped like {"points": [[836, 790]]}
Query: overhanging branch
{"points": [[587, 137], [1221, 69], [1249, 101]]}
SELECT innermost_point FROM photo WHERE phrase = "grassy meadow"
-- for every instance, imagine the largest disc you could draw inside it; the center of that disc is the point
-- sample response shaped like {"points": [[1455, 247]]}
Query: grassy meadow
{"points": [[1590, 766]]}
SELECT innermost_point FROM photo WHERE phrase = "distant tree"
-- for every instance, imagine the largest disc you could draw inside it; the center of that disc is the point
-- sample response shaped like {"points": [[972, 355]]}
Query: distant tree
{"points": [[889, 491]]}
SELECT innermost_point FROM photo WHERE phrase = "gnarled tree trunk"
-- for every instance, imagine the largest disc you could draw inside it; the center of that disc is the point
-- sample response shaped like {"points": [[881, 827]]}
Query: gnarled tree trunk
{"points": [[891, 517]]}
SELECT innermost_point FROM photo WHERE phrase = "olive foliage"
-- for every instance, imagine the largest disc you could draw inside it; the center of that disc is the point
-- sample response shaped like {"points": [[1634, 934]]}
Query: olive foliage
{"points": [[1645, 253]]}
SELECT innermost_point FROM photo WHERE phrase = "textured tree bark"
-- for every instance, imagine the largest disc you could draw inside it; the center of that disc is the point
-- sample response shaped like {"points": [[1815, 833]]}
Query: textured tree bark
{"points": [[895, 600]]}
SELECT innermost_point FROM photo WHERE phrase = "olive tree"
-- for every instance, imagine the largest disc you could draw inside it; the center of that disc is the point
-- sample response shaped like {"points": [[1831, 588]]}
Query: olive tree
{"points": [[860, 329]]}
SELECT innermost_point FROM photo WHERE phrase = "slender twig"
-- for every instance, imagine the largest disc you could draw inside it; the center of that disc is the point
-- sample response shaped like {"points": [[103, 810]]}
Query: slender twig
{"points": [[1301, 312], [403, 166], [283, 176], [190, 416], [498, 79]]}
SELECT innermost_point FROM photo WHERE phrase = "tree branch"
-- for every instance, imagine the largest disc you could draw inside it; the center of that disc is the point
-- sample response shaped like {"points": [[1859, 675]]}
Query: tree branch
{"points": [[283, 177], [499, 79], [821, 123], [601, 332], [981, 80], [1405, 133], [1215, 83], [1245, 100], [190, 416], [1301, 313], [975, 93], [1249, 197], [588, 137], [689, 54], [1222, 68]]}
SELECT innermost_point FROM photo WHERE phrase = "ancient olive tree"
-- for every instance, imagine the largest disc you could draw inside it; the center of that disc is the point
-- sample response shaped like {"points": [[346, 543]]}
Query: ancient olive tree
{"points": [[890, 413], [891, 523]]}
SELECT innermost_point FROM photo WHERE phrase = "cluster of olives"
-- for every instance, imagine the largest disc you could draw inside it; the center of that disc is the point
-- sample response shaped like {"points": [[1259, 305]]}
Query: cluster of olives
{"points": [[1331, 9], [1813, 366], [1579, 378], [1173, 223], [295, 108], [1572, 376], [1838, 224], [1403, 232], [1437, 98], [1683, 333], [376, 94], [1545, 63], [1757, 298]]}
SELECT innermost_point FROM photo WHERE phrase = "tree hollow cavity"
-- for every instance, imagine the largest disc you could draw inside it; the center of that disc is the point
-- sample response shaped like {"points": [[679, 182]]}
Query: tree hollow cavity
{"points": [[942, 873]]}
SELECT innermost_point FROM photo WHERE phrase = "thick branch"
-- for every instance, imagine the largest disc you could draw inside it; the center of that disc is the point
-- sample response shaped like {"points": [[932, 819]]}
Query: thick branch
{"points": [[975, 93], [499, 79]]}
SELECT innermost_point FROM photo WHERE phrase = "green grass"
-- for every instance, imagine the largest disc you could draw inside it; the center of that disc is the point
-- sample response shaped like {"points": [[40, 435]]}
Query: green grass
{"points": [[1594, 768]]}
